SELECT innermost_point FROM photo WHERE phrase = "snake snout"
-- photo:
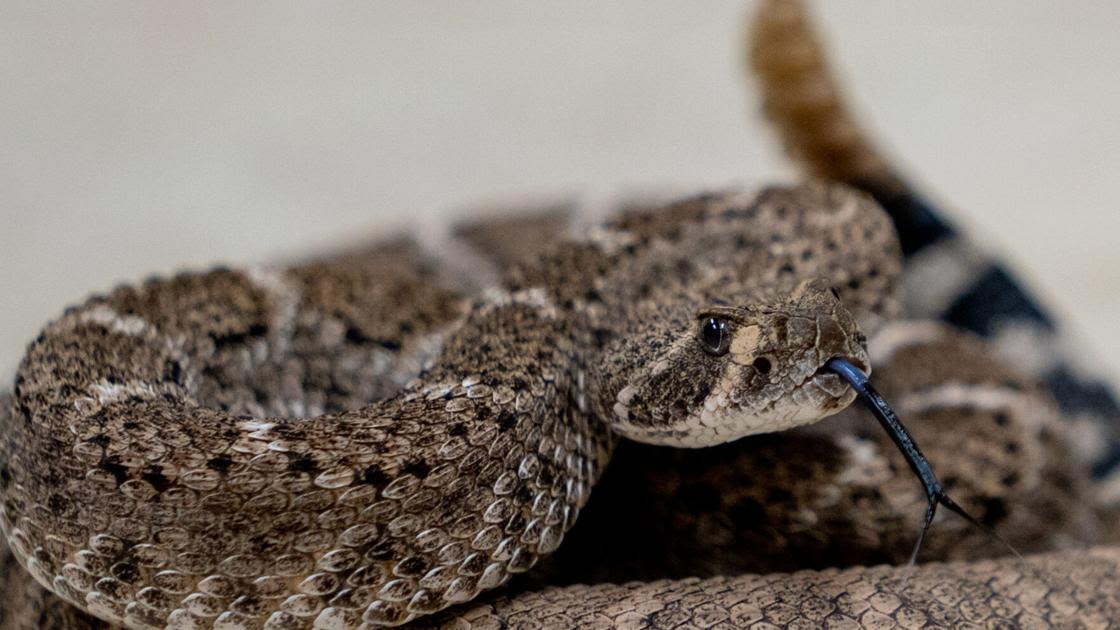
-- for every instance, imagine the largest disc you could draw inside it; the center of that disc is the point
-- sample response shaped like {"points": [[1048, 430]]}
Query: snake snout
{"points": [[838, 337], [826, 378], [859, 360]]}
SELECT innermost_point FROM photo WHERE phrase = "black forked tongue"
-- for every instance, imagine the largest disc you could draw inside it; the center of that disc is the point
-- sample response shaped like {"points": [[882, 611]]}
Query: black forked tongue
{"points": [[935, 492]]}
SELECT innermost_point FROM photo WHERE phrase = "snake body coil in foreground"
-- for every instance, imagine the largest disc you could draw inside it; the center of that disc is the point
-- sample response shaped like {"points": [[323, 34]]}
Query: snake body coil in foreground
{"points": [[362, 441]]}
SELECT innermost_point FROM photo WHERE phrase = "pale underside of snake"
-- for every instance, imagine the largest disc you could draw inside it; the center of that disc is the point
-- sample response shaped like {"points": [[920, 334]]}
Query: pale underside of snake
{"points": [[363, 440]]}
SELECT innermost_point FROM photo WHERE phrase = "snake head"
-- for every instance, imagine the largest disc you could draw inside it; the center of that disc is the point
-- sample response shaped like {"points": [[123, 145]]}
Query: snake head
{"points": [[726, 371]]}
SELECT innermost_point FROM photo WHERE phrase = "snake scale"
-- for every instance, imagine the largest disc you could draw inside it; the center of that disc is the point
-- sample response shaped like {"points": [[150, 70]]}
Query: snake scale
{"points": [[363, 440]]}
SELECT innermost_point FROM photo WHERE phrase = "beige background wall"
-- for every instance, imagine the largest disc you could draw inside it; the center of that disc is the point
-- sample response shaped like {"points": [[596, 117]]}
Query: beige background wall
{"points": [[143, 137]]}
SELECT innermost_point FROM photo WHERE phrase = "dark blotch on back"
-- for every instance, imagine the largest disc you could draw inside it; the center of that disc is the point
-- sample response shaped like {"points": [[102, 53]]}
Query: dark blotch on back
{"points": [[99, 440], [154, 476], [113, 466], [418, 468], [57, 504], [374, 476], [506, 421], [994, 510], [221, 463], [238, 338], [174, 372], [303, 463]]}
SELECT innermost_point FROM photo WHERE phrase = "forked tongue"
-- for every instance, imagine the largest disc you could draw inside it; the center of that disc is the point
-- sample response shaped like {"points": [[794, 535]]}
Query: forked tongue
{"points": [[935, 492]]}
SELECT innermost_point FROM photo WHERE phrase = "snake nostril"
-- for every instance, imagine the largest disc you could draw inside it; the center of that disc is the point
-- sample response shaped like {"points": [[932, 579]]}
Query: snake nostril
{"points": [[762, 364]]}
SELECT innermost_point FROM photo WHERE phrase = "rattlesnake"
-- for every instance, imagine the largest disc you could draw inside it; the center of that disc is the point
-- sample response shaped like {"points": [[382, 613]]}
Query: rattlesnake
{"points": [[363, 440]]}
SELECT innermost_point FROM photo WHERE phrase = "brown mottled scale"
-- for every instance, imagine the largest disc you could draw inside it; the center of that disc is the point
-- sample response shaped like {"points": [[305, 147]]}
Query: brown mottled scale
{"points": [[806, 105], [1004, 593], [838, 493], [198, 450], [358, 442], [708, 512]]}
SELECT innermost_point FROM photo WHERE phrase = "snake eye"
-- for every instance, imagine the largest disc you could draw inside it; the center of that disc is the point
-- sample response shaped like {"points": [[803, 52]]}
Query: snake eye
{"points": [[714, 336]]}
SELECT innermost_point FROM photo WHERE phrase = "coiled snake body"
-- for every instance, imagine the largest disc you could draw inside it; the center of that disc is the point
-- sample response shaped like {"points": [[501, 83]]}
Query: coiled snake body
{"points": [[361, 441]]}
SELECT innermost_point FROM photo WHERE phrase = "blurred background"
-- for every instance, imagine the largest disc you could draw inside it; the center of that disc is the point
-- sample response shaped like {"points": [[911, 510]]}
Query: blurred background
{"points": [[140, 137]]}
